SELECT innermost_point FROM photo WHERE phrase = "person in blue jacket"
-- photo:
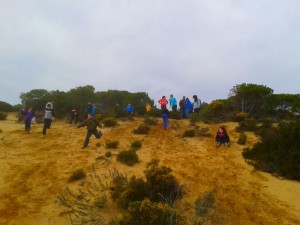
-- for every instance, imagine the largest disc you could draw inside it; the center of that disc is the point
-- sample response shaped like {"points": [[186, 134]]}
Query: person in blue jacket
{"points": [[188, 107], [129, 109]]}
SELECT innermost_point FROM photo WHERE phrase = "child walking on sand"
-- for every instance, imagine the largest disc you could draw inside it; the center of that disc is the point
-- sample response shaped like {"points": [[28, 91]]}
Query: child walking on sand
{"points": [[91, 124]]}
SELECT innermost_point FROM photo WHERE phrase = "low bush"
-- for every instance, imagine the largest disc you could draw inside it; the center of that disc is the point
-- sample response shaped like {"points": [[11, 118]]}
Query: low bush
{"points": [[150, 121], [242, 139], [204, 132], [247, 125], [278, 151], [77, 175], [142, 129], [99, 117], [189, 133], [110, 122], [128, 157], [112, 144], [203, 208], [136, 145], [108, 154], [241, 116], [3, 116]]}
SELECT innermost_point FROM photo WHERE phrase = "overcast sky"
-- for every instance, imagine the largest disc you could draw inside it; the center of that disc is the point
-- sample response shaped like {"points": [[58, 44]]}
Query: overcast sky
{"points": [[162, 47]]}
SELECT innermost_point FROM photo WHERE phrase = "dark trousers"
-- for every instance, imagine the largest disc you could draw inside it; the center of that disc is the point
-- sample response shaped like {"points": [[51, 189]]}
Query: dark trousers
{"points": [[174, 108], [89, 134], [75, 118], [27, 125], [47, 125]]}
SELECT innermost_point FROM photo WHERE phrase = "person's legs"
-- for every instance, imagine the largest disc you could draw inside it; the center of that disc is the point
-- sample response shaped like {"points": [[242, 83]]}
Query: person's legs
{"points": [[97, 134], [187, 113], [87, 139]]}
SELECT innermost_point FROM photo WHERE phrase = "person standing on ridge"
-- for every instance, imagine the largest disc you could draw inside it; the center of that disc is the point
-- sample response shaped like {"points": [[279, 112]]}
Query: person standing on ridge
{"points": [[182, 107], [196, 104], [173, 103], [163, 102], [165, 116], [129, 109]]}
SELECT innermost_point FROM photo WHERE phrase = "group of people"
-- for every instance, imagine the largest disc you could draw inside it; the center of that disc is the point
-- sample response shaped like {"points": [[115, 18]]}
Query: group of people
{"points": [[185, 105], [185, 108]]}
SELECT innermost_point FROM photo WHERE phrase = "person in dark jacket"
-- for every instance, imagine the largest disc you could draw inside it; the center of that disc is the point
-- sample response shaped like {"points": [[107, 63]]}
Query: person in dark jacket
{"points": [[29, 114], [91, 124], [74, 115], [222, 137]]}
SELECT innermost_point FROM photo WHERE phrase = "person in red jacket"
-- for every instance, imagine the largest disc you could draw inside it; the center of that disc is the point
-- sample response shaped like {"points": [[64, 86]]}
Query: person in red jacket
{"points": [[163, 102]]}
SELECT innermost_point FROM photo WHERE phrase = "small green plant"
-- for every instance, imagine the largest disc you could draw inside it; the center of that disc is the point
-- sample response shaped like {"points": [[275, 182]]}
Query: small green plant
{"points": [[108, 154], [136, 145], [99, 117], [3, 116], [203, 208], [189, 133], [112, 144], [129, 157], [242, 139], [142, 129], [77, 175], [204, 132], [150, 121], [110, 122], [241, 116]]}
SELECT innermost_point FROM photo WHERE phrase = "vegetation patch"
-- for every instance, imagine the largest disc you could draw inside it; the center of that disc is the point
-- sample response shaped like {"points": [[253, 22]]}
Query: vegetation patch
{"points": [[3, 116], [110, 122], [77, 175], [279, 151], [142, 129], [189, 133], [136, 145], [112, 144], [108, 154], [128, 157], [150, 121], [242, 139]]}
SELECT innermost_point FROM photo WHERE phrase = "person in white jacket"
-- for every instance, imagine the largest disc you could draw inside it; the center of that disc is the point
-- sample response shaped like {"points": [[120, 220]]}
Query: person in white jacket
{"points": [[196, 104]]}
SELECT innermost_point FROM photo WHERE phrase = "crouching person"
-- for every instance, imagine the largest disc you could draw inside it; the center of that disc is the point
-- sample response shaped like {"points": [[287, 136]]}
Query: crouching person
{"points": [[91, 124], [222, 137]]}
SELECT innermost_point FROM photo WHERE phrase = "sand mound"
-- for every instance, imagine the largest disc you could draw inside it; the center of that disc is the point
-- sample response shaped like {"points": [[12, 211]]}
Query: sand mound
{"points": [[35, 170]]}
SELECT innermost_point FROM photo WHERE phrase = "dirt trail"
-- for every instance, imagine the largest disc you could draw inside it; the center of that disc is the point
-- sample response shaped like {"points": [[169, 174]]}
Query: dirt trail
{"points": [[35, 170]]}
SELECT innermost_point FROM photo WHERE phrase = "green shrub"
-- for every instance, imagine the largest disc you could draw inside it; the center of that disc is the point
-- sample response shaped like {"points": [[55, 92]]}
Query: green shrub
{"points": [[150, 121], [162, 185], [189, 133], [136, 145], [142, 129], [77, 175], [266, 122], [241, 116], [203, 208], [112, 144], [204, 132], [109, 122], [242, 139], [247, 125], [99, 117], [129, 157], [3, 116], [108, 154], [278, 151], [149, 213]]}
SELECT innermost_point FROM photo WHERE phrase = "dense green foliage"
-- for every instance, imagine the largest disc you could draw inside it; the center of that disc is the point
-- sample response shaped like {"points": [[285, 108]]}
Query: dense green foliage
{"points": [[251, 98], [3, 116], [108, 103], [279, 150], [5, 107]]}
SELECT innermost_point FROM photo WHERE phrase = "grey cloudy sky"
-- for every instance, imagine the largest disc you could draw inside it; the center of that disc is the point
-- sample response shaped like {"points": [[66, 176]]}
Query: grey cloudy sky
{"points": [[184, 47]]}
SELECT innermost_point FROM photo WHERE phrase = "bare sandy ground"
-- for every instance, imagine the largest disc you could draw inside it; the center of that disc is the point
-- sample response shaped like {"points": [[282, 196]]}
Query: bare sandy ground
{"points": [[35, 170]]}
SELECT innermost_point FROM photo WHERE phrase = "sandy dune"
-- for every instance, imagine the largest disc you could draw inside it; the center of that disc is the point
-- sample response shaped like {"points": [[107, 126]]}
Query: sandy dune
{"points": [[35, 170]]}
